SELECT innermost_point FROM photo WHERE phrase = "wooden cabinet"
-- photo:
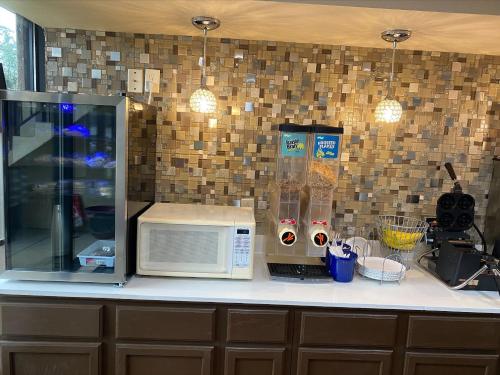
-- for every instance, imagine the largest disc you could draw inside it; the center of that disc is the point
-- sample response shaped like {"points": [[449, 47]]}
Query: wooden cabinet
{"points": [[60, 336], [256, 341], [343, 362], [37, 322], [456, 364], [49, 358], [254, 361], [140, 359], [452, 333]]}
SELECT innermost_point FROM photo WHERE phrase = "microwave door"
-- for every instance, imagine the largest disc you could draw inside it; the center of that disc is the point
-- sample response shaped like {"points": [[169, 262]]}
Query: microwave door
{"points": [[168, 249]]}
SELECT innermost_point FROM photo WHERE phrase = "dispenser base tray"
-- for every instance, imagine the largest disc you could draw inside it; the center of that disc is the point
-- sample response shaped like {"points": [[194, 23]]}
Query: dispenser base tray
{"points": [[298, 272]]}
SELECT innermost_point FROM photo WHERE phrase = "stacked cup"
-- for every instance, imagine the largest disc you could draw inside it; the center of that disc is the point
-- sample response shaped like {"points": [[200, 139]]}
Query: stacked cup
{"points": [[341, 261]]}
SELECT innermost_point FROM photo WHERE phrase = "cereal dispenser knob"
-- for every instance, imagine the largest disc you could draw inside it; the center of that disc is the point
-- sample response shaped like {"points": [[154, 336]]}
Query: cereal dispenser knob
{"points": [[287, 235], [319, 236]]}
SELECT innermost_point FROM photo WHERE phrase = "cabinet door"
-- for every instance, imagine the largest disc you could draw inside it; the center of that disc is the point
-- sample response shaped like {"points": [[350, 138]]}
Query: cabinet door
{"points": [[140, 359], [456, 364], [253, 361], [49, 358], [343, 362]]}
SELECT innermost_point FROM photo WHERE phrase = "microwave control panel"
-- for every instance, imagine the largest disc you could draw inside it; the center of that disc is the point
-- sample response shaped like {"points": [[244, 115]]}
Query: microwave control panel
{"points": [[242, 247]]}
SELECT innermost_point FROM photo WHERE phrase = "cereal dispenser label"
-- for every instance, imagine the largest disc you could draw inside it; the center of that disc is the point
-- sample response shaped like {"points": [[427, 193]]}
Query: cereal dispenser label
{"points": [[293, 144], [326, 146]]}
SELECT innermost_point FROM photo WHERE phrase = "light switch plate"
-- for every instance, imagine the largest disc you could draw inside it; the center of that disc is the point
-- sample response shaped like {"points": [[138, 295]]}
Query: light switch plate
{"points": [[152, 76], [135, 80]]}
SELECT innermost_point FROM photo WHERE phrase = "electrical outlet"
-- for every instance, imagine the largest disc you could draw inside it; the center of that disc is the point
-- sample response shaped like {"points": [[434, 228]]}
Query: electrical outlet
{"points": [[152, 81], [134, 80]]}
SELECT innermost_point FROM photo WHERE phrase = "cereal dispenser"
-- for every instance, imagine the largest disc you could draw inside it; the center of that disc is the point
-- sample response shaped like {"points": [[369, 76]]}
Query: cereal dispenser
{"points": [[285, 191], [301, 197], [317, 196]]}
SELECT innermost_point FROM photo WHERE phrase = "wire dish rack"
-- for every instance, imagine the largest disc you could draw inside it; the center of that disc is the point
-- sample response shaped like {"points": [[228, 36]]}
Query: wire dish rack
{"points": [[400, 235], [383, 269], [372, 263]]}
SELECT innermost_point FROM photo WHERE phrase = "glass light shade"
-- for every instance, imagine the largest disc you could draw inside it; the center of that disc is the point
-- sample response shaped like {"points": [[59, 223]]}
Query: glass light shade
{"points": [[203, 101], [388, 111]]}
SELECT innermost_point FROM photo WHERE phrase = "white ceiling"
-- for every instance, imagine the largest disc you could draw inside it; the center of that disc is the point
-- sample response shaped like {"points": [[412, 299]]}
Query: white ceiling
{"points": [[471, 26]]}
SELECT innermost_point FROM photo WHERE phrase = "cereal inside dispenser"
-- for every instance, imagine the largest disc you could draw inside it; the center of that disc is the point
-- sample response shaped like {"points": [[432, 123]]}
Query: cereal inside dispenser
{"points": [[322, 180], [285, 191]]}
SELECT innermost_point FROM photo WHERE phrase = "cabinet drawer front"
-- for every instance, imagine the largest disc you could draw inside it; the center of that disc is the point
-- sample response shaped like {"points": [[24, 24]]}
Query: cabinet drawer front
{"points": [[456, 364], [262, 326], [44, 358], [50, 320], [165, 323], [319, 361], [317, 328], [142, 359], [453, 332]]}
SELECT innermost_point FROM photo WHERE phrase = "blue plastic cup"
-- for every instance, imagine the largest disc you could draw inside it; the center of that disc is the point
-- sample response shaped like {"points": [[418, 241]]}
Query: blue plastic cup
{"points": [[342, 269]]}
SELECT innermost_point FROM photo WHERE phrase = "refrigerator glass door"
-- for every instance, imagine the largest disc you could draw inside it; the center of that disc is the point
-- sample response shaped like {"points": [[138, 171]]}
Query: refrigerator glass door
{"points": [[59, 162]]}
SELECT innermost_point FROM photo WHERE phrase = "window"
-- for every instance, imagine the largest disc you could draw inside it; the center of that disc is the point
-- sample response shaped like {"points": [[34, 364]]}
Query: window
{"points": [[8, 48], [22, 46]]}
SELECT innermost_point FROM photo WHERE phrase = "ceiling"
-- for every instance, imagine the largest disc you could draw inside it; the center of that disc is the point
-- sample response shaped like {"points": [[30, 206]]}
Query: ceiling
{"points": [[471, 26]]}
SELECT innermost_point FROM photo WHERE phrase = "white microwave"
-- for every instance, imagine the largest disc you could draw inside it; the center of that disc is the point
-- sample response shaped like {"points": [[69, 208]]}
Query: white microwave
{"points": [[189, 240]]}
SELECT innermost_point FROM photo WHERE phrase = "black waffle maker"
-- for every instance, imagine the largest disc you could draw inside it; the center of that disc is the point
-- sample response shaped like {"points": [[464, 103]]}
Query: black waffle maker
{"points": [[455, 259]]}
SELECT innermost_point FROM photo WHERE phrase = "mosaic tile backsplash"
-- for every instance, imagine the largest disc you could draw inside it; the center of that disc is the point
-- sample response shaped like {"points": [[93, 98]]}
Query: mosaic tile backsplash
{"points": [[451, 107]]}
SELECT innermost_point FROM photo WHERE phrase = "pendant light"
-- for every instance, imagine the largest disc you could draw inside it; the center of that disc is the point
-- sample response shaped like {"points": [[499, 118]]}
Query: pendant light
{"points": [[389, 110], [203, 100]]}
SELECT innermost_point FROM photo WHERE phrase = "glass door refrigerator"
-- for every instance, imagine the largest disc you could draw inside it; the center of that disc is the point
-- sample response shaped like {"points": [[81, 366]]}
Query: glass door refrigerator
{"points": [[66, 206]]}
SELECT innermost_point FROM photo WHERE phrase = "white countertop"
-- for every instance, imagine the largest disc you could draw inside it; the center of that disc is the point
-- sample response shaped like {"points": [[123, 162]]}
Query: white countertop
{"points": [[418, 291]]}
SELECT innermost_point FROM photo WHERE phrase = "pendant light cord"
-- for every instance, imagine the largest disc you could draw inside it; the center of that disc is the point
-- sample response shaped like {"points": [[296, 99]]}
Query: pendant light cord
{"points": [[391, 77], [204, 66]]}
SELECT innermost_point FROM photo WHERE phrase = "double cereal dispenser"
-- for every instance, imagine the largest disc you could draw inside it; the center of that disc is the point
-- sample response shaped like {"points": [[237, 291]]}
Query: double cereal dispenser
{"points": [[301, 197]]}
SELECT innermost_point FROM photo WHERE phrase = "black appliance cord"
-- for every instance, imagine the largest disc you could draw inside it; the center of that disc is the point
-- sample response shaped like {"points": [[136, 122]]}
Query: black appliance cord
{"points": [[485, 252], [485, 249]]}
